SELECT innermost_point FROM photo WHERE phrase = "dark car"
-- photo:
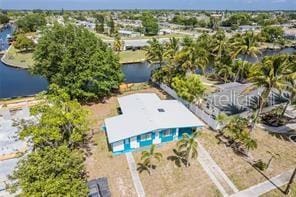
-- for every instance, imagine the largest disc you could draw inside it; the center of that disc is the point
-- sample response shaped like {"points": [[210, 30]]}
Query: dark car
{"points": [[93, 189], [99, 188]]}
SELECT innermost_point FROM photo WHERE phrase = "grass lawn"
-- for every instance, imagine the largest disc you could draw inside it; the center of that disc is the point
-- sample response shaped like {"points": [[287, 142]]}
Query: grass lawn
{"points": [[169, 180], [131, 56], [242, 173], [19, 59], [101, 162]]}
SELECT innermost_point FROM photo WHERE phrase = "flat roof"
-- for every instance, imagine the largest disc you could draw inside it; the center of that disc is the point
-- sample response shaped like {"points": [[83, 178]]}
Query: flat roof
{"points": [[146, 112]]}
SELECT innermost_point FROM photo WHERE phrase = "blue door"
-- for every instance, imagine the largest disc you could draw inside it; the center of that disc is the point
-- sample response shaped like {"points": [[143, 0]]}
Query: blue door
{"points": [[127, 144]]}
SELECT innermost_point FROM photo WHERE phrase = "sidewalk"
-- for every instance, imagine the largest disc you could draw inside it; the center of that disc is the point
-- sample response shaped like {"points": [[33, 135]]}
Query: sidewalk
{"points": [[266, 186], [219, 178], [135, 176]]}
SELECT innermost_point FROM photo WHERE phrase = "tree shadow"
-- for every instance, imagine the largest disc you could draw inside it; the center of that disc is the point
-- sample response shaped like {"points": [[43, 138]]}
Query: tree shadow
{"points": [[178, 158], [142, 167], [232, 109], [266, 177]]}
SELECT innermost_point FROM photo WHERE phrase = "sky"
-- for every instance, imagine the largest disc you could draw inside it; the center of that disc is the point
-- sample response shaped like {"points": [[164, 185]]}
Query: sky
{"points": [[151, 4]]}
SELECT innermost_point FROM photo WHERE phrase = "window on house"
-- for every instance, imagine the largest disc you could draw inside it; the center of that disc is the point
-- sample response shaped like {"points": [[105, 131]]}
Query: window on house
{"points": [[166, 133], [146, 137]]}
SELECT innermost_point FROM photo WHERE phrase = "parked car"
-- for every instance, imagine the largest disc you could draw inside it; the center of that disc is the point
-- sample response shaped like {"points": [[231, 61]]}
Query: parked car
{"points": [[99, 188]]}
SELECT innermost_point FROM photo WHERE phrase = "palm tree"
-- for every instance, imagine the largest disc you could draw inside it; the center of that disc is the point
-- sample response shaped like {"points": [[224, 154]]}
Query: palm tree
{"points": [[188, 146], [155, 51], [290, 86], [118, 44], [268, 75], [246, 45], [172, 47], [220, 45], [225, 72], [148, 158]]}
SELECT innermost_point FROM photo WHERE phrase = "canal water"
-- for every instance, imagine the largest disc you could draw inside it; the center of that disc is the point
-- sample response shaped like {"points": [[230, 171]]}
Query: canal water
{"points": [[15, 82]]}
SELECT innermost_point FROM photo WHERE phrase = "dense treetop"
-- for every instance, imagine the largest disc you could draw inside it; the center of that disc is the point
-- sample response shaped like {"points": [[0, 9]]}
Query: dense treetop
{"points": [[55, 166], [4, 18], [77, 61], [31, 22], [150, 24]]}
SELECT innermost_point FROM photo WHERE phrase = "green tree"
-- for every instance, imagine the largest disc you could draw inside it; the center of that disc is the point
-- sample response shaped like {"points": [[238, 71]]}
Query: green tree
{"points": [[31, 22], [55, 167], [238, 129], [51, 172], [189, 88], [23, 43], [188, 146], [273, 34], [118, 44], [148, 158], [290, 86], [155, 51], [246, 45], [100, 21], [77, 61], [149, 24], [268, 75], [61, 121], [4, 18], [172, 47], [112, 26]]}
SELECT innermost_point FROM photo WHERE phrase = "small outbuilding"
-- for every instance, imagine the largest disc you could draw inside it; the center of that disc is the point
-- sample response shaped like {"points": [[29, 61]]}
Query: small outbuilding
{"points": [[147, 120]]}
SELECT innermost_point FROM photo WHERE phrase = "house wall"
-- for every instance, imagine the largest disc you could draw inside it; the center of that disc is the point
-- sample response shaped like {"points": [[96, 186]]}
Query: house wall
{"points": [[157, 137]]}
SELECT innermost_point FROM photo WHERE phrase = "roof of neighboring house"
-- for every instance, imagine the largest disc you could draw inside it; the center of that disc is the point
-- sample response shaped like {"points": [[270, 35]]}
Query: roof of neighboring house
{"points": [[146, 112], [230, 85], [233, 97]]}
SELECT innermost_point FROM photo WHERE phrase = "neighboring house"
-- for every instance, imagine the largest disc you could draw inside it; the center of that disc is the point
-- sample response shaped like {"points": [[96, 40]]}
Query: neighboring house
{"points": [[244, 28], [235, 98], [290, 34], [130, 34], [165, 31], [146, 120]]}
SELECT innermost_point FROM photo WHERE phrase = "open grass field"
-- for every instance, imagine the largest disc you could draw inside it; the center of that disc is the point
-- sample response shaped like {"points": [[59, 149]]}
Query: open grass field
{"points": [[131, 56], [167, 179], [242, 173], [19, 59]]}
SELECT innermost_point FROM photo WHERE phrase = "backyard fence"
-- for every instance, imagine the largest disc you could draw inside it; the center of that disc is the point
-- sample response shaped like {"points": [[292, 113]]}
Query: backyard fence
{"points": [[192, 107]]}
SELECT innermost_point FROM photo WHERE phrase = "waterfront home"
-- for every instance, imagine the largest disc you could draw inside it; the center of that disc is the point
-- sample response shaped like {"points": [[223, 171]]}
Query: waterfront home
{"points": [[145, 119]]}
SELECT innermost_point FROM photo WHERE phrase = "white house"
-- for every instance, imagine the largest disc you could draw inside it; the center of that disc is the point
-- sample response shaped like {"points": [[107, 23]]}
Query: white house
{"points": [[146, 120]]}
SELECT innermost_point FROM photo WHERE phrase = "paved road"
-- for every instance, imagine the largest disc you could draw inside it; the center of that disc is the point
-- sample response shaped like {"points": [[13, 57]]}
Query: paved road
{"points": [[219, 178], [135, 176], [266, 186]]}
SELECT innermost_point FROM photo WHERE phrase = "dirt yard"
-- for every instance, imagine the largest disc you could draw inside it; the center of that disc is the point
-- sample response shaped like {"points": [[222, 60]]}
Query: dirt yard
{"points": [[170, 180], [242, 173]]}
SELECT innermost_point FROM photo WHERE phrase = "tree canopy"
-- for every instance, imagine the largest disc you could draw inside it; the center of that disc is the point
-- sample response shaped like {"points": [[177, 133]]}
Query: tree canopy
{"points": [[23, 43], [4, 18], [78, 61], [273, 34], [189, 88], [55, 167], [31, 22], [150, 24], [52, 172], [61, 121]]}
